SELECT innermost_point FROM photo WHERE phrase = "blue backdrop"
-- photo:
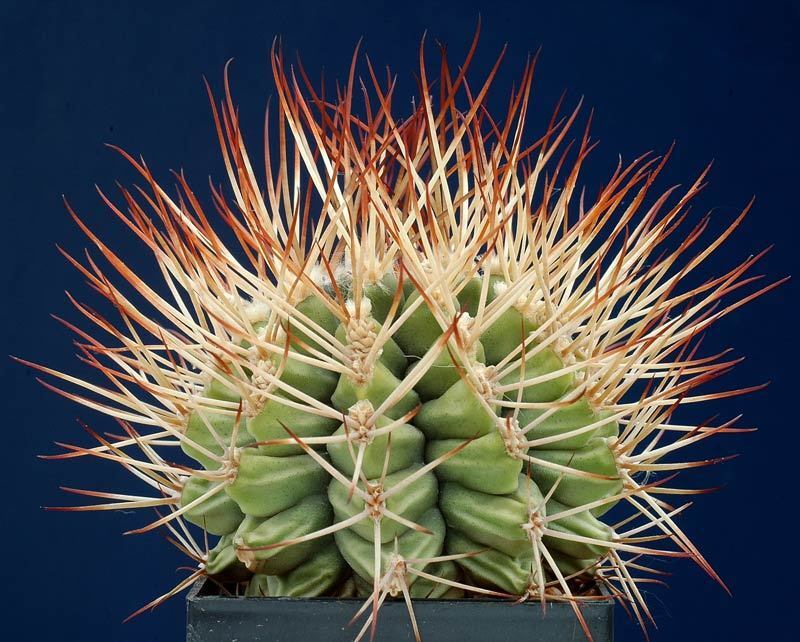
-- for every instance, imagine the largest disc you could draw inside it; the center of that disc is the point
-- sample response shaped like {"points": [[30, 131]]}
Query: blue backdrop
{"points": [[720, 79]]}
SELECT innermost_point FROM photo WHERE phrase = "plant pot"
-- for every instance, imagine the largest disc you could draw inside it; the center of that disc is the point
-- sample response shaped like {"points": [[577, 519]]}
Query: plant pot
{"points": [[212, 617]]}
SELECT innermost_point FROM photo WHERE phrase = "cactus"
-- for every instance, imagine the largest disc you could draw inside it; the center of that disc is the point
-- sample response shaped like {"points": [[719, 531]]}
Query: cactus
{"points": [[427, 367]]}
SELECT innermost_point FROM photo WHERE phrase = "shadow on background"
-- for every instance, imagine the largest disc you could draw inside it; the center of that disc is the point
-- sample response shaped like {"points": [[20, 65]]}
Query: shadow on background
{"points": [[720, 79]]}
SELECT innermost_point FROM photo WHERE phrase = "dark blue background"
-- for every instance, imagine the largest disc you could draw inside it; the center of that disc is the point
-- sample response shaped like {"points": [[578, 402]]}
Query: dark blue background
{"points": [[721, 79]]}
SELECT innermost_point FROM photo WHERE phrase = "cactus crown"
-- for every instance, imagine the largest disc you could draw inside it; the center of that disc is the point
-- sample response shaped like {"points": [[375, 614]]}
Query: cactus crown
{"points": [[431, 368]]}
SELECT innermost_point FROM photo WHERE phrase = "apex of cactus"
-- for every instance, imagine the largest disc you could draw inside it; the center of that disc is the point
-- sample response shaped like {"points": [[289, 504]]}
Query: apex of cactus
{"points": [[426, 366]]}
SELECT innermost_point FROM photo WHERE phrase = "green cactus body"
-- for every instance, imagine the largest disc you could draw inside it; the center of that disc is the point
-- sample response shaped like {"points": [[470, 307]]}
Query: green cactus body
{"points": [[209, 433], [484, 493], [277, 493], [219, 514], [316, 576], [486, 499]]}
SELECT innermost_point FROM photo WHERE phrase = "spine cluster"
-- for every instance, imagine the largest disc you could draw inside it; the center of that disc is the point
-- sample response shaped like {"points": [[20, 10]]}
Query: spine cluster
{"points": [[429, 366]]}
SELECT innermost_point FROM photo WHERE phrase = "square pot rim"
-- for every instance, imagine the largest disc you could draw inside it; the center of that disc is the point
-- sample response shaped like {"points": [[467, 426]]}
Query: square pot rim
{"points": [[220, 618], [608, 599]]}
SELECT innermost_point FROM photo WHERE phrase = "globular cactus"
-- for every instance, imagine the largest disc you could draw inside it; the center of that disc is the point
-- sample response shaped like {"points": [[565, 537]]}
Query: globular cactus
{"points": [[428, 367]]}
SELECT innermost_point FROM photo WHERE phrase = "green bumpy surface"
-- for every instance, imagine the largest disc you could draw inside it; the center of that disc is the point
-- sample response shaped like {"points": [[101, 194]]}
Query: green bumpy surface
{"points": [[477, 500]]}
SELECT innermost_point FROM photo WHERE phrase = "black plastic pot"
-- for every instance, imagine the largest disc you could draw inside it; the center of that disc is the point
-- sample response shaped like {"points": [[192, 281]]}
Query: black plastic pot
{"points": [[211, 617]]}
